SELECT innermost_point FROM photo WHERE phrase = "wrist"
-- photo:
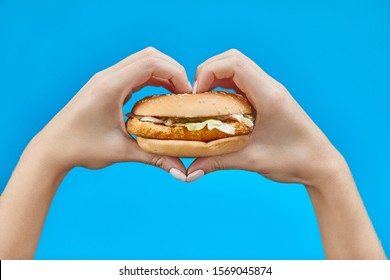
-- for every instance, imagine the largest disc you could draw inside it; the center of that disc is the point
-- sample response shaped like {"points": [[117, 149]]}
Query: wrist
{"points": [[42, 154], [332, 173], [37, 172]]}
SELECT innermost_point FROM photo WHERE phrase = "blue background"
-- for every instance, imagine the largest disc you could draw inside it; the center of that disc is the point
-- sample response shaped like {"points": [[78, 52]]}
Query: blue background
{"points": [[333, 56]]}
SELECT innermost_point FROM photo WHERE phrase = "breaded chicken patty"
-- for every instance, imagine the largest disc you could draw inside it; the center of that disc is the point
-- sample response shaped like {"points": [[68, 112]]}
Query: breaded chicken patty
{"points": [[163, 132]]}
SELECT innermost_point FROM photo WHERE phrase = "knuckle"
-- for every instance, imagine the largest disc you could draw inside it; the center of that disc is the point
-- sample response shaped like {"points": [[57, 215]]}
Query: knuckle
{"points": [[97, 76], [199, 68], [281, 88], [237, 61], [217, 164], [179, 71], [252, 155], [150, 61], [279, 94], [106, 84], [158, 161], [150, 50], [206, 68], [182, 69], [234, 52]]}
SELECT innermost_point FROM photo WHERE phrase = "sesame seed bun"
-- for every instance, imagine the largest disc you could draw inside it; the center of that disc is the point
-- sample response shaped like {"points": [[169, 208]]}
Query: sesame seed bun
{"points": [[189, 149], [186, 105], [178, 141]]}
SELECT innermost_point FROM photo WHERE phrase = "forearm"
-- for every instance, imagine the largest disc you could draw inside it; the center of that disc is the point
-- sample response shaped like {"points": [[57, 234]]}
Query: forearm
{"points": [[25, 202], [346, 230]]}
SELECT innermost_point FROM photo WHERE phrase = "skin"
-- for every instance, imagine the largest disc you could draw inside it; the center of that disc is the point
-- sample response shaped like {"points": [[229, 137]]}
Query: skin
{"points": [[285, 146], [90, 132]]}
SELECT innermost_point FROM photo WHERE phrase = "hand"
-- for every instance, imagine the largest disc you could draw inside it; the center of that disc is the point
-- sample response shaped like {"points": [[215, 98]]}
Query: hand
{"points": [[285, 145], [90, 131]]}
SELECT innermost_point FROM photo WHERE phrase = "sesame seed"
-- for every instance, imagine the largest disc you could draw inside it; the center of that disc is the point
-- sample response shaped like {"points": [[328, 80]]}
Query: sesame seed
{"points": [[180, 104], [226, 106], [181, 97], [172, 100]]}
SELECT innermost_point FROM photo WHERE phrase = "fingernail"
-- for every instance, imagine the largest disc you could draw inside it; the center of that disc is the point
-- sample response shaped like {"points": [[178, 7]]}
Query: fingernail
{"points": [[189, 86], [195, 175], [178, 174], [195, 87]]}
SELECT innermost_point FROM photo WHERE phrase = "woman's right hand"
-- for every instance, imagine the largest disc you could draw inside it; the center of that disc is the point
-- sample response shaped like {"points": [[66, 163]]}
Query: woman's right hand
{"points": [[90, 131], [285, 145]]}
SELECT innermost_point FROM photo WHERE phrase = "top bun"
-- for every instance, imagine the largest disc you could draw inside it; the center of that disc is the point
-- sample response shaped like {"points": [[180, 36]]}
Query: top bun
{"points": [[188, 105]]}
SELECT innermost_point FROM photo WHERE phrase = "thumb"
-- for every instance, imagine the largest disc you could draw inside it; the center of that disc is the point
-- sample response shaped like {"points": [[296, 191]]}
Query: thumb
{"points": [[173, 165], [202, 166]]}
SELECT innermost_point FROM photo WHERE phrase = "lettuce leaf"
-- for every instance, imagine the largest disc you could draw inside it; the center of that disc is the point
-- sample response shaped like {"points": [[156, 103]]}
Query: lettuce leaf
{"points": [[194, 124], [150, 119], [242, 119], [211, 124]]}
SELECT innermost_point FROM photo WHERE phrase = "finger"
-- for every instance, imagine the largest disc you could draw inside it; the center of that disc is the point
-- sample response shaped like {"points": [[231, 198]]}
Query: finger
{"points": [[226, 84], [206, 165], [136, 74], [131, 58], [211, 60], [226, 54], [174, 63], [223, 73], [256, 87], [208, 61], [156, 82], [268, 85], [152, 53], [172, 165], [149, 51]]}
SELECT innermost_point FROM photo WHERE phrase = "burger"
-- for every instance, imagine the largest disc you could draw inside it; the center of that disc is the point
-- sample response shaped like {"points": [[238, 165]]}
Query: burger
{"points": [[191, 125]]}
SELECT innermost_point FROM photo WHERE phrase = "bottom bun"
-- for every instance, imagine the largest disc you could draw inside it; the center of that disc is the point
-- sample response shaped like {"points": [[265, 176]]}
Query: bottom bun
{"points": [[186, 149]]}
